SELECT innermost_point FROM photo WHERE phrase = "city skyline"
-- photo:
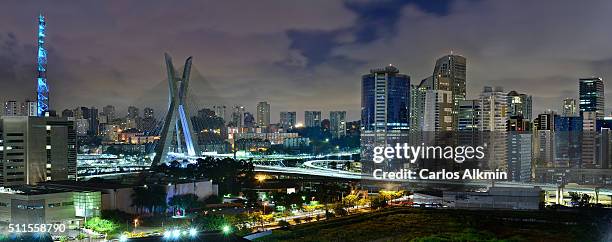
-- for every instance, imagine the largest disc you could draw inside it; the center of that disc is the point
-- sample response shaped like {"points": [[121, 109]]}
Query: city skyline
{"points": [[267, 61]]}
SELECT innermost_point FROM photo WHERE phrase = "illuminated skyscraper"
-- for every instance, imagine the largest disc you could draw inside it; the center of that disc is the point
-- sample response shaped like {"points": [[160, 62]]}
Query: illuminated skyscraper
{"points": [[385, 109], [11, 108], [109, 112], [29, 108], [337, 120], [238, 117], [41, 67], [287, 119], [450, 75], [385, 100], [263, 114], [133, 112], [149, 113], [519, 104], [493, 120], [570, 109], [312, 118], [249, 120], [592, 96]]}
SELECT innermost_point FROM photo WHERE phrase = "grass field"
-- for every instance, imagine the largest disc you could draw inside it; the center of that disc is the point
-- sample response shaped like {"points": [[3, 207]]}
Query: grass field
{"points": [[409, 224]]}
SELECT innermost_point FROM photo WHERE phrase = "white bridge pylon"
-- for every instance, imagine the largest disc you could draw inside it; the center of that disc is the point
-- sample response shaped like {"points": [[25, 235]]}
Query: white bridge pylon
{"points": [[177, 132]]}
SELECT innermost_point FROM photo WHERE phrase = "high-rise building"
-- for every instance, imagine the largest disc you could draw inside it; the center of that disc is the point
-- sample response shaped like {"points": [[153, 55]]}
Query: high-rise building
{"points": [[29, 108], [605, 154], [567, 141], [133, 112], [468, 115], [493, 109], [385, 109], [337, 120], [109, 112], [81, 126], [220, 112], [149, 113], [42, 91], [417, 103], [312, 118], [519, 104], [589, 139], [11, 108], [430, 108], [437, 113], [450, 75], [385, 100], [287, 120], [591, 91], [67, 113], [543, 145], [518, 123], [238, 117], [493, 121], [570, 108], [148, 123], [81, 113], [263, 114], [249, 120], [37, 149], [94, 123], [519, 156]]}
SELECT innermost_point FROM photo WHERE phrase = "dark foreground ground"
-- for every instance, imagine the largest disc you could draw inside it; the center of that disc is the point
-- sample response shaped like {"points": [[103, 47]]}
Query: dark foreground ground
{"points": [[411, 224]]}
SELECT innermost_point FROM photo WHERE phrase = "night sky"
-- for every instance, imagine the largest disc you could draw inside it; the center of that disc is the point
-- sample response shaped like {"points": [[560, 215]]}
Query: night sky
{"points": [[299, 55]]}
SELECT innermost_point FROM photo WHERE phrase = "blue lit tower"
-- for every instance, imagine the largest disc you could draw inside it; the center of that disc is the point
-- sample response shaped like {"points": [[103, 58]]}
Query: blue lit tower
{"points": [[41, 67]]}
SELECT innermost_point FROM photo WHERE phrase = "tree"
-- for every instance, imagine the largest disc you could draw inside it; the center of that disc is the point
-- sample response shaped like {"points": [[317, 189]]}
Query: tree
{"points": [[340, 211], [251, 197], [363, 202], [186, 202], [286, 200], [150, 199], [350, 200], [213, 199], [580, 199], [378, 202], [101, 225], [211, 222]]}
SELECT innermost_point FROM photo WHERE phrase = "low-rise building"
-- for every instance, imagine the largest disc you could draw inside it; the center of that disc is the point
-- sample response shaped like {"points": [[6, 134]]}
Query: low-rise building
{"points": [[117, 196], [45, 205]]}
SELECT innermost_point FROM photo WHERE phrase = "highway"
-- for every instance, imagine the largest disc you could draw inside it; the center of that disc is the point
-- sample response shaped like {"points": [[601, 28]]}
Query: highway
{"points": [[313, 168]]}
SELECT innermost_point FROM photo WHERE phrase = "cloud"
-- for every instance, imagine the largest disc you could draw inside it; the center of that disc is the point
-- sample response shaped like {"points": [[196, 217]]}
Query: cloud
{"points": [[534, 47], [299, 55]]}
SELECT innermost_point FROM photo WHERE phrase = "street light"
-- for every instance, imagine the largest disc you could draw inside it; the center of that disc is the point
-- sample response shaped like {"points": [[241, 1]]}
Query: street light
{"points": [[135, 223], [176, 233], [260, 178], [123, 238], [193, 232], [167, 234], [226, 229]]}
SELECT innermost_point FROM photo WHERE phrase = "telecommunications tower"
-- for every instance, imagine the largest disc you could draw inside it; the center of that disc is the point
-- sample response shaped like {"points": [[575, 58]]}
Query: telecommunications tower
{"points": [[42, 91]]}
